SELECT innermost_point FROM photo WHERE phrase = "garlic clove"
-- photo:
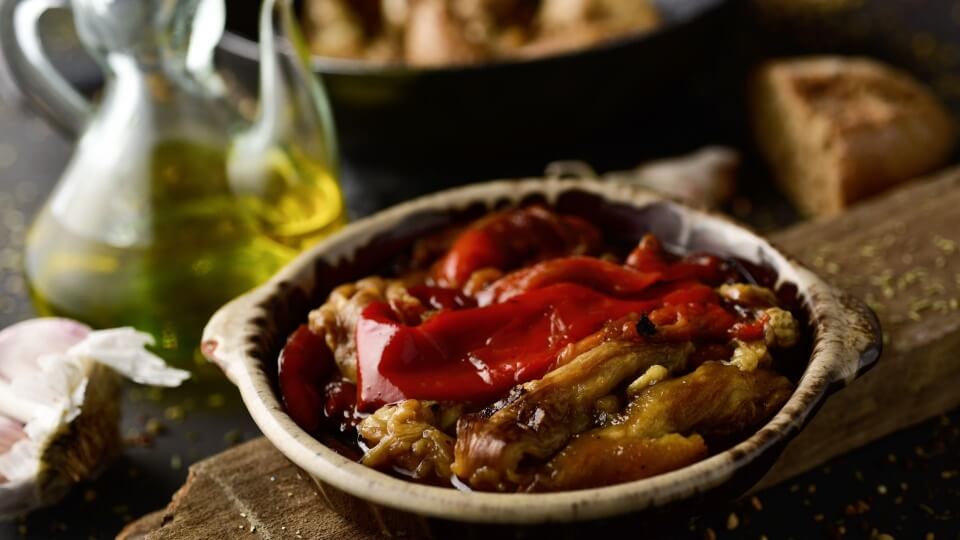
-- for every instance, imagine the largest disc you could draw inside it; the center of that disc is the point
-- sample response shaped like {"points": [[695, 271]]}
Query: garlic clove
{"points": [[24, 343], [60, 404]]}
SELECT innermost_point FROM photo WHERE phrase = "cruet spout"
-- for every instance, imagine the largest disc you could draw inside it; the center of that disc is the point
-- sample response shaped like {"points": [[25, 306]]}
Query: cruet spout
{"points": [[291, 138]]}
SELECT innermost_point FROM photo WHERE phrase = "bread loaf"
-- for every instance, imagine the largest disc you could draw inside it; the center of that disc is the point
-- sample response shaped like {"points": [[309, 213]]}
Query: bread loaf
{"points": [[836, 130]]}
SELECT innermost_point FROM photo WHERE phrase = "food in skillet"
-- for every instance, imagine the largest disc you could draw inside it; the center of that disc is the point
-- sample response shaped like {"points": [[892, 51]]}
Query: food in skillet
{"points": [[522, 353], [441, 32]]}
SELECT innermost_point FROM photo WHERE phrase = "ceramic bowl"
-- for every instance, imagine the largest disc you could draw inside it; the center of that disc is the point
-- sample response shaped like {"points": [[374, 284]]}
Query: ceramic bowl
{"points": [[245, 337]]}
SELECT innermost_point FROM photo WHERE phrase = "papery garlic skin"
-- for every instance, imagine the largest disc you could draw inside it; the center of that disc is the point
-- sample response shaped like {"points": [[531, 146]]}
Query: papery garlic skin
{"points": [[51, 371], [123, 349]]}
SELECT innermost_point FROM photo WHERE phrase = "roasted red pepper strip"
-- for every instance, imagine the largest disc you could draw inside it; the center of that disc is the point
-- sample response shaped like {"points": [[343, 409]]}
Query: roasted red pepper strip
{"points": [[689, 292], [649, 256], [691, 322], [477, 354], [748, 330], [598, 274], [305, 367], [511, 238]]}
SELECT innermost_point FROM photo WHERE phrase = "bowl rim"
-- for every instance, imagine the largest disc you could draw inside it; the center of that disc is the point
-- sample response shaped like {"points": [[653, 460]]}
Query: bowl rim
{"points": [[246, 48], [846, 343]]}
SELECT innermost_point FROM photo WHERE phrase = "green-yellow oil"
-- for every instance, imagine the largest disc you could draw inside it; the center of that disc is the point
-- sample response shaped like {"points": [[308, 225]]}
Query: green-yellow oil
{"points": [[207, 244]]}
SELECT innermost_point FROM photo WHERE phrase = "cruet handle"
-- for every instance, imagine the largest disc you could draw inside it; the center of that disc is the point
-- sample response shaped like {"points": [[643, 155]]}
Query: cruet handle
{"points": [[32, 71]]}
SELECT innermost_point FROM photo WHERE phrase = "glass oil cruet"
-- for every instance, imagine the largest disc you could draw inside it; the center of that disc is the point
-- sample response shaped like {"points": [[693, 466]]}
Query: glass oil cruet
{"points": [[174, 202]]}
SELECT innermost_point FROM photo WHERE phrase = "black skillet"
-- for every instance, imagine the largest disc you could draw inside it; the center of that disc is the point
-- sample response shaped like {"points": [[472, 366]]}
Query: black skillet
{"points": [[505, 108]]}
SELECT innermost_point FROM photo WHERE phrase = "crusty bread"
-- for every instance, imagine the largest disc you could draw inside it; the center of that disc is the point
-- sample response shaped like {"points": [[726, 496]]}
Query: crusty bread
{"points": [[836, 130]]}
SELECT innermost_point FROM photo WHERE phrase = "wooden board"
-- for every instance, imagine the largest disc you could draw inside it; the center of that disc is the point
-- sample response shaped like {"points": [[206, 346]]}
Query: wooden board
{"points": [[900, 253], [251, 488]]}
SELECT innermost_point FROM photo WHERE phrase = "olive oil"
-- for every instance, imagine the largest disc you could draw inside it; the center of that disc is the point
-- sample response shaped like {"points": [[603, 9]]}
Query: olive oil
{"points": [[184, 189], [197, 240]]}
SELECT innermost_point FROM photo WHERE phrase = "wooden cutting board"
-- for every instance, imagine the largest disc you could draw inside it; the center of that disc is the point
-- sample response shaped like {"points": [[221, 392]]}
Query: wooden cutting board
{"points": [[899, 253]]}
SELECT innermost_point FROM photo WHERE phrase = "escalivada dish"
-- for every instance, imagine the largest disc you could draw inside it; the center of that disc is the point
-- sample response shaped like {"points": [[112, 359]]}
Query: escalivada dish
{"points": [[529, 353], [522, 352]]}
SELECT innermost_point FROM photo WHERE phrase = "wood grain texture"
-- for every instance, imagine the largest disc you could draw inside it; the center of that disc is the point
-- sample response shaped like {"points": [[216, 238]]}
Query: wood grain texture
{"points": [[899, 253], [251, 488]]}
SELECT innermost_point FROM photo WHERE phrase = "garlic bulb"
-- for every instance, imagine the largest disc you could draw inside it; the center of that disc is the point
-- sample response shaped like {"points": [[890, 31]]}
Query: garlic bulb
{"points": [[60, 404], [705, 178]]}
